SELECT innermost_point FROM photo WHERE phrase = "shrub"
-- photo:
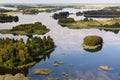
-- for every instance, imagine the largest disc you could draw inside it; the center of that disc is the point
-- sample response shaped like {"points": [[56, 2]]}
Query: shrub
{"points": [[66, 20], [60, 15], [93, 40]]}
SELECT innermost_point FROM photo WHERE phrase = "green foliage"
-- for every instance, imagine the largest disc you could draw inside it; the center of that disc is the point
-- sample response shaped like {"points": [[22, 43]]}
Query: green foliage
{"points": [[30, 11], [93, 40], [115, 25], [4, 10], [79, 13], [15, 53], [61, 15], [86, 19], [36, 28], [5, 18], [66, 20], [102, 13]]}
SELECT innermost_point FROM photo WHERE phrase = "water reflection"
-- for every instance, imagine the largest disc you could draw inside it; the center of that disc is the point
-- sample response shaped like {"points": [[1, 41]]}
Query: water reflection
{"points": [[114, 31], [69, 42], [24, 70]]}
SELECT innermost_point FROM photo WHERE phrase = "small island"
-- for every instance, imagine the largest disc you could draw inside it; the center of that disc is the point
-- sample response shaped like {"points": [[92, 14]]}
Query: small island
{"points": [[4, 10], [30, 11], [8, 18], [42, 71], [92, 42], [60, 15], [17, 76], [27, 29], [17, 54]]}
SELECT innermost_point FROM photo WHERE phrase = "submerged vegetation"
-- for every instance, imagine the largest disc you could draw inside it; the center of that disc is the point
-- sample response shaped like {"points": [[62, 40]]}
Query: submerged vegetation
{"points": [[42, 71], [104, 68], [18, 76], [27, 29], [15, 53]]}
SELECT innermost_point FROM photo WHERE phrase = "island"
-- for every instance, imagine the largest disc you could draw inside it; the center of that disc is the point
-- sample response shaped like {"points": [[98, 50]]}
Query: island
{"points": [[107, 12], [37, 10], [29, 9], [16, 54], [17, 76], [27, 29], [61, 15], [8, 18], [102, 13], [92, 43], [4, 10], [87, 23]]}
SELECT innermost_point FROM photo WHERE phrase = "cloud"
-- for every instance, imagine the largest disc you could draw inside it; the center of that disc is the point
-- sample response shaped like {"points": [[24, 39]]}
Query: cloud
{"points": [[59, 1]]}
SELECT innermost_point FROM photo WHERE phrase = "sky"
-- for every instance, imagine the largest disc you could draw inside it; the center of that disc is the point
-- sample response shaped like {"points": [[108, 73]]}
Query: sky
{"points": [[59, 1]]}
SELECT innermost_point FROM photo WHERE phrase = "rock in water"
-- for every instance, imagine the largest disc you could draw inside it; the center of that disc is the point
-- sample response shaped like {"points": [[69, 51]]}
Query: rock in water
{"points": [[56, 64], [42, 71], [104, 68]]}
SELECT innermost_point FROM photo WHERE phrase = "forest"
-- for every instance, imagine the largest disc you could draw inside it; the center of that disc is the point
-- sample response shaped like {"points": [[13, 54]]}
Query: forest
{"points": [[102, 13], [61, 15], [4, 10], [5, 18], [14, 53]]}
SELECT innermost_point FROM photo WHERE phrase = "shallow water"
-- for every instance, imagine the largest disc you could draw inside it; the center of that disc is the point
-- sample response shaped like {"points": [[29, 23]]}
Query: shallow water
{"points": [[69, 50]]}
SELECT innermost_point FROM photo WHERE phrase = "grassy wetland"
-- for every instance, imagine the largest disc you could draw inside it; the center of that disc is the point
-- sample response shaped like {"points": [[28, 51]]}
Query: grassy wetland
{"points": [[112, 24]]}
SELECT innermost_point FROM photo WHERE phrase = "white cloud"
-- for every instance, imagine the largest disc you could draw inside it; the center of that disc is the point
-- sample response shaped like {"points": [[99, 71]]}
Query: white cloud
{"points": [[59, 1]]}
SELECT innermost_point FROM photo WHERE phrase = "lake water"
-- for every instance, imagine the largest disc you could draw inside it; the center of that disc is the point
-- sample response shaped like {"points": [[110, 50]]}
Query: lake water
{"points": [[78, 63]]}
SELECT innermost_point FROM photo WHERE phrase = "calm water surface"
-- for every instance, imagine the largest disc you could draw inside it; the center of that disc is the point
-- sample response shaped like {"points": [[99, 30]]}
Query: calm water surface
{"points": [[69, 50]]}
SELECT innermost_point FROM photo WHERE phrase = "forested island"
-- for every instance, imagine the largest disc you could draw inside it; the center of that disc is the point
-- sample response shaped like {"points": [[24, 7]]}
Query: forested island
{"points": [[107, 12], [4, 10], [17, 54], [92, 43], [60, 15], [27, 29], [102, 13], [112, 24], [8, 18]]}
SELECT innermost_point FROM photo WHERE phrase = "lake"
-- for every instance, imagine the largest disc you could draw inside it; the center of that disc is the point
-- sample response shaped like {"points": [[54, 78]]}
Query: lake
{"points": [[78, 63]]}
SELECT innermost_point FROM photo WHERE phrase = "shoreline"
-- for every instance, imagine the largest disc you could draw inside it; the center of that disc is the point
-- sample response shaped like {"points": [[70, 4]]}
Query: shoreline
{"points": [[98, 24]]}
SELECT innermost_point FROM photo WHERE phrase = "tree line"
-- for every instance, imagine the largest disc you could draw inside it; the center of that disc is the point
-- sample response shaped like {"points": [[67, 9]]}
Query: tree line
{"points": [[35, 28], [60, 15], [6, 18], [15, 53], [4, 10]]}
